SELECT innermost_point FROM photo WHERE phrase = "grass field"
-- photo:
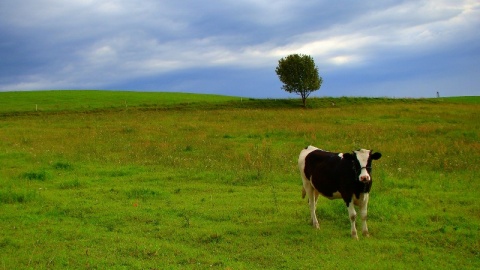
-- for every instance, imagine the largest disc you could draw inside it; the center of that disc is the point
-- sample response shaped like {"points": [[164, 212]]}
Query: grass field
{"points": [[124, 180]]}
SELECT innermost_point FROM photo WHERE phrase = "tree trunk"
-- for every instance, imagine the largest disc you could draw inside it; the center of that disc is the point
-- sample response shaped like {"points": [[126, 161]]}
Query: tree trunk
{"points": [[304, 99]]}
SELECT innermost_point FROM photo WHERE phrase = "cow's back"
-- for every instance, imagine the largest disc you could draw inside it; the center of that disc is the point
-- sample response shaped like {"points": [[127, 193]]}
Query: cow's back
{"points": [[322, 169], [303, 154]]}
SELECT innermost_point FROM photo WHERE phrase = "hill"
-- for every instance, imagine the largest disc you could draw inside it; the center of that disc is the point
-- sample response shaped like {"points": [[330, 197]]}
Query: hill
{"points": [[54, 101], [95, 100]]}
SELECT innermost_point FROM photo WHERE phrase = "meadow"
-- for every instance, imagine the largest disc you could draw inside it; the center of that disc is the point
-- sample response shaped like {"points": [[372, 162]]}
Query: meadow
{"points": [[124, 180]]}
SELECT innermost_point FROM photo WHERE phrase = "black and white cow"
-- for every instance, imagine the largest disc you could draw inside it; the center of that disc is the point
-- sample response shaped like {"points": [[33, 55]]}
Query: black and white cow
{"points": [[344, 176]]}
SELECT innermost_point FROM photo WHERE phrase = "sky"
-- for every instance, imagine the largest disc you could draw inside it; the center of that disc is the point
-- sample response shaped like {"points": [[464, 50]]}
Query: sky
{"points": [[388, 48]]}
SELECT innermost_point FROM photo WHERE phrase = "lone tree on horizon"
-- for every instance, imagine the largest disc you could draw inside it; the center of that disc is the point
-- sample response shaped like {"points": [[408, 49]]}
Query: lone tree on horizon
{"points": [[299, 75]]}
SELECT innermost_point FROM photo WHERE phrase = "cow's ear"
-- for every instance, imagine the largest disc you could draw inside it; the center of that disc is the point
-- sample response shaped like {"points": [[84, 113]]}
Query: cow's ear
{"points": [[348, 156], [376, 155]]}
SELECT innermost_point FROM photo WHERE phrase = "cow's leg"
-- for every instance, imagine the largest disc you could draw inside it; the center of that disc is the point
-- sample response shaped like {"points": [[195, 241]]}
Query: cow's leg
{"points": [[352, 214], [312, 202], [313, 198], [363, 214]]}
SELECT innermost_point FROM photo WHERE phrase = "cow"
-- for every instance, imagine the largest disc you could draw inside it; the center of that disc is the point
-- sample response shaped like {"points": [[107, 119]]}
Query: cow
{"points": [[344, 176]]}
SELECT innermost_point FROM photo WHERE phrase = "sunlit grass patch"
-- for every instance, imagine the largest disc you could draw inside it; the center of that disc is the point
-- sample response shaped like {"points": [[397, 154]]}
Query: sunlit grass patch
{"points": [[70, 184]]}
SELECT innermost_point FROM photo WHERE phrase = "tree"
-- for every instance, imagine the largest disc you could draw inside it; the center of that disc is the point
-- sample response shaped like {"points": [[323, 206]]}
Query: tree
{"points": [[299, 75]]}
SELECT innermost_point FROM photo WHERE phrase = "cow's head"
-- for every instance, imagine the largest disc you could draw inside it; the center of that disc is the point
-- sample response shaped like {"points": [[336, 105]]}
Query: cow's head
{"points": [[362, 163]]}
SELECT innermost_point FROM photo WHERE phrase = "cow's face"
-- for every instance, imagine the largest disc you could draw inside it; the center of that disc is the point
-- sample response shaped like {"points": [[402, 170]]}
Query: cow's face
{"points": [[362, 162]]}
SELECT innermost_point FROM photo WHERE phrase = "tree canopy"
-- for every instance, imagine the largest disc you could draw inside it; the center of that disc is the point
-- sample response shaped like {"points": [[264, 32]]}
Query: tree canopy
{"points": [[299, 75]]}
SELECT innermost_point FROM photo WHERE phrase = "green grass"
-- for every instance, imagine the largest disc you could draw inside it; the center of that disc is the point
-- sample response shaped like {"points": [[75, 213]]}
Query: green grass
{"points": [[15, 103], [92, 100], [199, 181]]}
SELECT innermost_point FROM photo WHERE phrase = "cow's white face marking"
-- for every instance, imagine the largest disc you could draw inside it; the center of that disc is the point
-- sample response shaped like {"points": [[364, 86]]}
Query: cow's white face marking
{"points": [[362, 156]]}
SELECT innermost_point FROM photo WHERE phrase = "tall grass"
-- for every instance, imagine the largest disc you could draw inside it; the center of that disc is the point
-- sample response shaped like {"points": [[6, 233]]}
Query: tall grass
{"points": [[215, 185]]}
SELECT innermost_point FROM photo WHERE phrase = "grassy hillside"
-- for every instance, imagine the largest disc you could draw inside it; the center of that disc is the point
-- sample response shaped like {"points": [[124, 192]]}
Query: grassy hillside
{"points": [[51, 101], [192, 181], [12, 103]]}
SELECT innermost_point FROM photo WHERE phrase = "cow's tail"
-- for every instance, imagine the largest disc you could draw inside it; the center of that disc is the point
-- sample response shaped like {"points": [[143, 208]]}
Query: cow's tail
{"points": [[303, 193]]}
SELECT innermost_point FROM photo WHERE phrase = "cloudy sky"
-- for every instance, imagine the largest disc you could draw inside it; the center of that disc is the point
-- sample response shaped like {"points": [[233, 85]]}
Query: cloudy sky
{"points": [[388, 48]]}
